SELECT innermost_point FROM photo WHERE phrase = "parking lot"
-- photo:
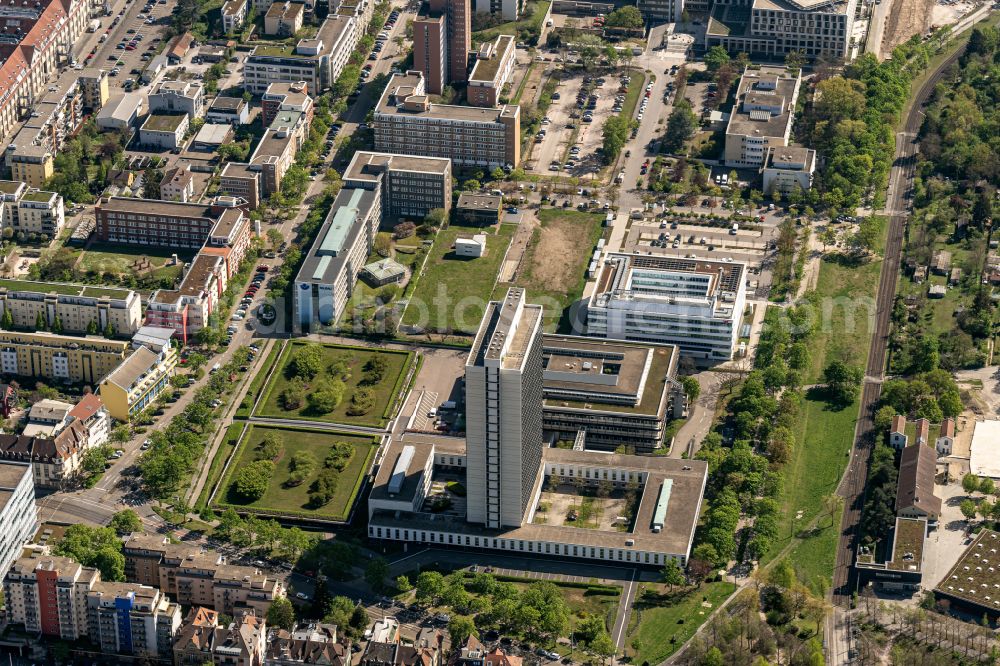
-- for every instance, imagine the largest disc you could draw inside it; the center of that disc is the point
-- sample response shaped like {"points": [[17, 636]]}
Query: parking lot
{"points": [[580, 105], [138, 33], [718, 240]]}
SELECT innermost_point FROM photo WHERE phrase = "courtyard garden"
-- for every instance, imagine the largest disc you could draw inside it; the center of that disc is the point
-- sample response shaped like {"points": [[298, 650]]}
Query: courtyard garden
{"points": [[335, 384], [296, 471]]}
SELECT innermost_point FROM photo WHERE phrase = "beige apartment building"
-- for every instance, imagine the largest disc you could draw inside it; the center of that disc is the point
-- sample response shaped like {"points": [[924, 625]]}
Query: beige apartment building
{"points": [[284, 19], [75, 308], [406, 122], [762, 116], [60, 357], [196, 577]]}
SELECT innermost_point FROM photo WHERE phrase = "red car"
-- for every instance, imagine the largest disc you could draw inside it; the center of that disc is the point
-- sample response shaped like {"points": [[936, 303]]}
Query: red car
{"points": [[262, 268]]}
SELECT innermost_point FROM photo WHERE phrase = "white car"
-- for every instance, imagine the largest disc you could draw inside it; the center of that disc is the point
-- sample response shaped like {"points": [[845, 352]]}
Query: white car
{"points": [[302, 595]]}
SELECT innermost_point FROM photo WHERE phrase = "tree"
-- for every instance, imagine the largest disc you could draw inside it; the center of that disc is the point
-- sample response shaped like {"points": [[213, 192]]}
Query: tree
{"points": [[986, 486], [323, 488], [272, 446], [375, 573], [95, 460], [326, 396], [436, 217], [672, 574], [627, 17], [692, 389], [430, 585], [883, 418], [274, 238], [460, 628], [681, 126], [301, 467], [125, 522], [281, 614], [970, 483], [828, 236], [713, 657], [98, 547], [403, 584], [715, 58], [7, 320], [602, 645], [383, 245], [968, 509], [615, 135], [252, 481], [843, 381], [306, 361]]}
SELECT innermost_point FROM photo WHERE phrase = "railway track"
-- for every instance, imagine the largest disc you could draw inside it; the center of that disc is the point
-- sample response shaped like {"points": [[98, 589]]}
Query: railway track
{"points": [[855, 480]]}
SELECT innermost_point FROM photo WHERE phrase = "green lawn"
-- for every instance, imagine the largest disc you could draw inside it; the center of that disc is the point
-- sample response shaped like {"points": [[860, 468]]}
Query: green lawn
{"points": [[257, 383], [816, 555], [662, 621], [280, 499], [845, 305], [556, 285], [233, 434], [844, 302], [120, 259], [385, 391], [531, 19], [452, 292], [363, 301]]}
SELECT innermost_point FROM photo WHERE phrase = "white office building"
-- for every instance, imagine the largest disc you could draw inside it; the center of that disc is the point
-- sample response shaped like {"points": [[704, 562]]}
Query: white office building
{"points": [[695, 304], [330, 270], [503, 382]]}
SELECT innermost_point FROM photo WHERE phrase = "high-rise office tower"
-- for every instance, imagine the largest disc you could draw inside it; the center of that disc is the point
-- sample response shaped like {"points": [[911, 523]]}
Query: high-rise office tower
{"points": [[503, 393]]}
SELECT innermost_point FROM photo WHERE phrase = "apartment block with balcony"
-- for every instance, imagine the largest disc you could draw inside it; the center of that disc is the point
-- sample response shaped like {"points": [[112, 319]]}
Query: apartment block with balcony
{"points": [[406, 122], [286, 96], [72, 308], [762, 117], [273, 156], [47, 595], [695, 304], [284, 18], [38, 38], [68, 358], [56, 115], [131, 619], [138, 380], [234, 15], [492, 70], [18, 512], [40, 212], [410, 186], [186, 310], [198, 577]]}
